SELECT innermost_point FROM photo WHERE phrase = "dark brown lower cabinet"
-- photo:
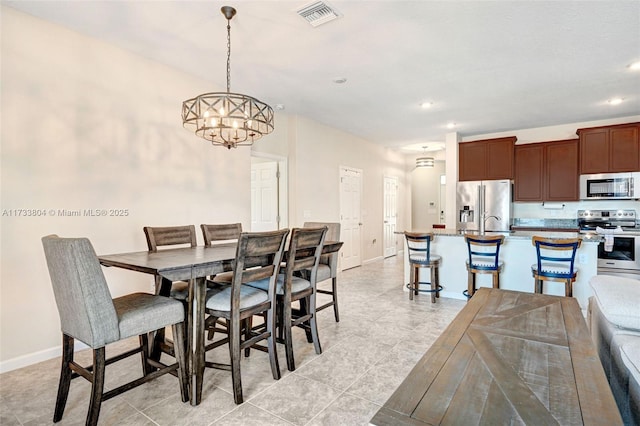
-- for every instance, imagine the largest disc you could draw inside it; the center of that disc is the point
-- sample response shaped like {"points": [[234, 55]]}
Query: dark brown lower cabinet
{"points": [[546, 171]]}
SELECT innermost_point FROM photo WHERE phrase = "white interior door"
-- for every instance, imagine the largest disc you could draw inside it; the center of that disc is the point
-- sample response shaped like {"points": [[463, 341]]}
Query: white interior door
{"points": [[390, 215], [350, 217], [264, 196]]}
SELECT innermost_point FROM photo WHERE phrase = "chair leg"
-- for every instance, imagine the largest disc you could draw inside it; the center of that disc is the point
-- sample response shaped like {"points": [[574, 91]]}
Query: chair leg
{"points": [[271, 342], [412, 280], [437, 282], [568, 288], [248, 325], [97, 386], [314, 324], [471, 283], [234, 353], [538, 286], [65, 377], [144, 354], [334, 287], [496, 279], [179, 352], [432, 271], [288, 335]]}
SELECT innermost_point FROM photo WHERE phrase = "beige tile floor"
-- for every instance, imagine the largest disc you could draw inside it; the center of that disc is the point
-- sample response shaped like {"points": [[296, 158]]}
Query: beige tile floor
{"points": [[380, 337]]}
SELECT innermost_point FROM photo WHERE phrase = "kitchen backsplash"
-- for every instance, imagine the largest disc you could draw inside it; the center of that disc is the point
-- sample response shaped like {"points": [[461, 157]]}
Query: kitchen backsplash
{"points": [[568, 210]]}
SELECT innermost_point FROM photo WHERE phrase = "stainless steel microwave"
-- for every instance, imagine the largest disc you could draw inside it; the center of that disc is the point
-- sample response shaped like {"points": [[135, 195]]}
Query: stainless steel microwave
{"points": [[610, 186]]}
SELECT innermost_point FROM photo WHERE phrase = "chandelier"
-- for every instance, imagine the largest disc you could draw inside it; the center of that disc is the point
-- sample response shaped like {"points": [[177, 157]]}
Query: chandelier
{"points": [[425, 161], [225, 118]]}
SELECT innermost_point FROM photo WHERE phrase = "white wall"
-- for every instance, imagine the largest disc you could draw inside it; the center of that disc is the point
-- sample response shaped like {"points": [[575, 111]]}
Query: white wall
{"points": [[316, 152], [88, 126], [425, 196]]}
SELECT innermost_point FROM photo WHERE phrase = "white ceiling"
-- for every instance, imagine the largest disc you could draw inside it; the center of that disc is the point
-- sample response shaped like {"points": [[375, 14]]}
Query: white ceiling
{"points": [[487, 66]]}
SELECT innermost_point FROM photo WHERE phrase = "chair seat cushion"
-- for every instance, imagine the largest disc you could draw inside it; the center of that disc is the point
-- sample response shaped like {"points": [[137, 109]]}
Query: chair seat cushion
{"points": [[297, 284], [422, 258], [219, 299], [554, 269], [618, 299], [484, 264], [324, 272], [140, 313]]}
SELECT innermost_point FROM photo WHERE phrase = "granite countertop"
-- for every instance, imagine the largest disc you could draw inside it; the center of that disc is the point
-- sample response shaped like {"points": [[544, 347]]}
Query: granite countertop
{"points": [[520, 235]]}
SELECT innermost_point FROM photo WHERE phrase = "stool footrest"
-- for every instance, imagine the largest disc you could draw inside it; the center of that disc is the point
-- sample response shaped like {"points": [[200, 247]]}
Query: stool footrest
{"points": [[411, 288]]}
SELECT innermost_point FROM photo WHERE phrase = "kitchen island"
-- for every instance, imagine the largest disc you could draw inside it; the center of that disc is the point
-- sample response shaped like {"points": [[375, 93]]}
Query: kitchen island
{"points": [[517, 253]]}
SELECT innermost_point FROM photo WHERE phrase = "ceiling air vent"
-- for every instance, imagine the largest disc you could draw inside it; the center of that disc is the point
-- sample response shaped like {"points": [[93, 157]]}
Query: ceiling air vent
{"points": [[318, 13]]}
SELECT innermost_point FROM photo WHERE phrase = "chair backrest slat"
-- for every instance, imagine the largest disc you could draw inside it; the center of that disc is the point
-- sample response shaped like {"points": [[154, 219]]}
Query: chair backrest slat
{"points": [[220, 232], [305, 249], [258, 256], [556, 250], [82, 296], [159, 236], [333, 234], [419, 245], [484, 246]]}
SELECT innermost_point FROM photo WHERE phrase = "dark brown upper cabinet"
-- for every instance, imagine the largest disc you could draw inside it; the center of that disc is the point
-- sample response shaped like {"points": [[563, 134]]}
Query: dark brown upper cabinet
{"points": [[486, 159], [610, 149], [546, 171]]}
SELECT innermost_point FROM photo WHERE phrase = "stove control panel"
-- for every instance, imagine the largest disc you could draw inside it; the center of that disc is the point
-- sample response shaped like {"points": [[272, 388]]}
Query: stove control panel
{"points": [[607, 214]]}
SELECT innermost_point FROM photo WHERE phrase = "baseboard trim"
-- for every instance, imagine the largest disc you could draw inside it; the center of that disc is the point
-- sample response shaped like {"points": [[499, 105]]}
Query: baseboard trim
{"points": [[375, 259], [36, 357]]}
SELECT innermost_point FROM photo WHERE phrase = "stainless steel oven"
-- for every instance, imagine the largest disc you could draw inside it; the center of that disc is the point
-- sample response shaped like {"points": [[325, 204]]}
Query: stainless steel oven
{"points": [[619, 254]]}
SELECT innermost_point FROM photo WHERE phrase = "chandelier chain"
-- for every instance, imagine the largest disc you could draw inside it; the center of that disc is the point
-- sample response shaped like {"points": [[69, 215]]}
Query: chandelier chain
{"points": [[228, 55]]}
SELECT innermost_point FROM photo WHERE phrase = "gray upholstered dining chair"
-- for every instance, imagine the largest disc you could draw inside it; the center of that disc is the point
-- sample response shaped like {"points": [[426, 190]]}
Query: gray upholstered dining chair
{"points": [[328, 266], [89, 314], [258, 256], [305, 248]]}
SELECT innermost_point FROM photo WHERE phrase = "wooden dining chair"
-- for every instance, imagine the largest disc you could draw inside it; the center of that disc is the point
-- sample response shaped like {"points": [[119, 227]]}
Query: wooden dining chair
{"points": [[305, 248], [258, 257], [170, 237], [483, 257], [90, 315], [328, 267], [555, 262], [420, 256], [219, 234]]}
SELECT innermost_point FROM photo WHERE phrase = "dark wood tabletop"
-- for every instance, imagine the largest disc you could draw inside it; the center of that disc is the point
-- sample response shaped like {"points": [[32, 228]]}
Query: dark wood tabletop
{"points": [[507, 358]]}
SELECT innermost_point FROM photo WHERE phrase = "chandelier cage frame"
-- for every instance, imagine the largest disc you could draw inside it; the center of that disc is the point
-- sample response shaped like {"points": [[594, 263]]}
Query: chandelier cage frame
{"points": [[425, 162], [225, 118]]}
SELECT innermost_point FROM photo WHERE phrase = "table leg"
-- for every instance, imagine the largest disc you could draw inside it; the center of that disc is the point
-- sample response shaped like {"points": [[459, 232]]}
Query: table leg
{"points": [[196, 339]]}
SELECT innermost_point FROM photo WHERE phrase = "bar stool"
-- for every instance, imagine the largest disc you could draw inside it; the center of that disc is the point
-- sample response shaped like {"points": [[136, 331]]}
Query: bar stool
{"points": [[484, 252], [556, 260], [419, 246]]}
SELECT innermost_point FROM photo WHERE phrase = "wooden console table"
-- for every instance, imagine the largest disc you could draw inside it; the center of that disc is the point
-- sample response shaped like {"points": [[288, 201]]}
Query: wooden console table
{"points": [[507, 358]]}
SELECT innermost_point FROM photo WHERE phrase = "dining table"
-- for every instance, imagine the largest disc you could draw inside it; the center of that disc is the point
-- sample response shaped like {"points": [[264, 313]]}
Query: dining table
{"points": [[192, 265]]}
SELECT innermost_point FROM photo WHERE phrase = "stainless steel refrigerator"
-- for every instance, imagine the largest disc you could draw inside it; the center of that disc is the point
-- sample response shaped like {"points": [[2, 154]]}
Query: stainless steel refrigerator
{"points": [[484, 205]]}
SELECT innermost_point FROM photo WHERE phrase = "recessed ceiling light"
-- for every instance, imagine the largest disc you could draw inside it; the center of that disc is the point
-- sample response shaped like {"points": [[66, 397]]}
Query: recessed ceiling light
{"points": [[615, 101], [426, 105], [451, 125], [635, 66], [340, 80], [279, 107]]}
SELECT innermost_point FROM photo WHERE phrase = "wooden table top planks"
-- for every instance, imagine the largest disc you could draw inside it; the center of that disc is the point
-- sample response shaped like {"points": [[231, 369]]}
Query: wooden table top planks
{"points": [[507, 358]]}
